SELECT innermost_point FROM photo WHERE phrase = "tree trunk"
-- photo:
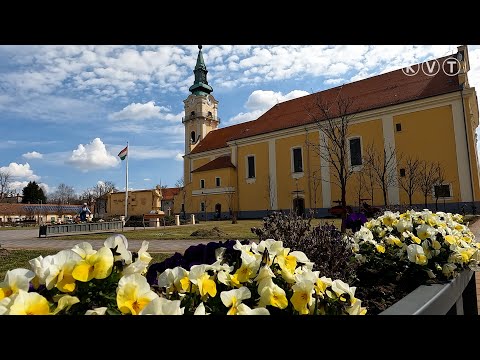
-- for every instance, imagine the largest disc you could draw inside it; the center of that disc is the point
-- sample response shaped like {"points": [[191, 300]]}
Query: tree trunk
{"points": [[410, 199], [343, 228], [426, 206], [384, 190]]}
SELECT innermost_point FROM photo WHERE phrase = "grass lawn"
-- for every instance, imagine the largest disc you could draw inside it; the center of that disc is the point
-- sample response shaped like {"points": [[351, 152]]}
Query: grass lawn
{"points": [[241, 230], [19, 259]]}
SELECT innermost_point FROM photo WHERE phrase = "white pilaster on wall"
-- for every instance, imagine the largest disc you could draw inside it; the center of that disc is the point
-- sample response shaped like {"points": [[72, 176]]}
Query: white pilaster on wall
{"points": [[272, 171], [233, 158], [389, 145], [325, 172], [204, 131], [461, 150]]}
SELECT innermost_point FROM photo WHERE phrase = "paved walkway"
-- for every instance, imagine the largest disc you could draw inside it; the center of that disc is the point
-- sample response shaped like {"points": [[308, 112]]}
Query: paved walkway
{"points": [[475, 227], [28, 239]]}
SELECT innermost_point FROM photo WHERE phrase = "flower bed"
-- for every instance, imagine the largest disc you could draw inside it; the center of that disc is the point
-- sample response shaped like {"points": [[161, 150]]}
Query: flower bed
{"points": [[241, 279]]}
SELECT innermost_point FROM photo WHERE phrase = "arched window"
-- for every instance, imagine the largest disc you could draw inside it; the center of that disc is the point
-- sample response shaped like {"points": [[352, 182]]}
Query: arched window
{"points": [[192, 113], [192, 137]]}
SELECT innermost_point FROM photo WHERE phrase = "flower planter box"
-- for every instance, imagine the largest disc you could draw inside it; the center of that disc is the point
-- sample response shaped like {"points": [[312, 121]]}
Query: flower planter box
{"points": [[457, 297], [47, 230]]}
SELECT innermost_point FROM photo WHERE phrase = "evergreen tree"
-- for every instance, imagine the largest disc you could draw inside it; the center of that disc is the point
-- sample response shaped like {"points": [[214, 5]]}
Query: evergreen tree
{"points": [[33, 194]]}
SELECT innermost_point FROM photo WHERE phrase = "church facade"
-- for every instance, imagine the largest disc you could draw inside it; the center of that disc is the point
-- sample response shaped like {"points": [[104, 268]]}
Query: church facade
{"points": [[272, 163]]}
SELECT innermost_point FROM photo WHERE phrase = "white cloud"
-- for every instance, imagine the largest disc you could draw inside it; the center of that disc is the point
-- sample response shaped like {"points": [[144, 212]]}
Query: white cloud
{"points": [[260, 101], [179, 157], [33, 155], [334, 81], [92, 156], [17, 186], [245, 116], [103, 73], [474, 73], [152, 152], [20, 171], [137, 111], [147, 179], [45, 187]]}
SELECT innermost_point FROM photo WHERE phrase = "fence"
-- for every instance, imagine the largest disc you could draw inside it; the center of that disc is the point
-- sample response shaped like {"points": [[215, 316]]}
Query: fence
{"points": [[47, 230], [457, 297]]}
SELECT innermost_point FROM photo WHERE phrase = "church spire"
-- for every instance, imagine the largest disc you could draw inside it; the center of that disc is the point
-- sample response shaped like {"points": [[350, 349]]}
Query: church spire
{"points": [[200, 85]]}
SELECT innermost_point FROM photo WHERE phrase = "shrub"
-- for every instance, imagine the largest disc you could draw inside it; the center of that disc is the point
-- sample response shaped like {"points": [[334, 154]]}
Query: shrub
{"points": [[325, 246], [283, 227], [168, 220], [135, 221]]}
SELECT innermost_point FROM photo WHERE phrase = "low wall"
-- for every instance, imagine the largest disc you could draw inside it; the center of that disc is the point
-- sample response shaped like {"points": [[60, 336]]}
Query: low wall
{"points": [[46, 230]]}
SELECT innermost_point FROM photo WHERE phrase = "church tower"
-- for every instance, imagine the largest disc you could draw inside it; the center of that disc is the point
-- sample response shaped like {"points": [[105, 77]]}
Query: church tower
{"points": [[200, 107]]}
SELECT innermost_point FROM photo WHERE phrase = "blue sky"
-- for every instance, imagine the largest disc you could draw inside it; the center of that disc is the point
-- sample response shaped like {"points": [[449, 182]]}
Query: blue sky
{"points": [[66, 111]]}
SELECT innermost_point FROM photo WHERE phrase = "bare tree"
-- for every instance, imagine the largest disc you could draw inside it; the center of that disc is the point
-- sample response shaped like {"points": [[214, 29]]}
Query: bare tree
{"points": [[230, 197], [384, 168], [180, 183], [88, 196], [438, 186], [427, 178], [63, 195], [333, 119], [410, 180], [103, 188], [369, 180], [5, 180], [360, 187], [206, 202], [315, 181]]}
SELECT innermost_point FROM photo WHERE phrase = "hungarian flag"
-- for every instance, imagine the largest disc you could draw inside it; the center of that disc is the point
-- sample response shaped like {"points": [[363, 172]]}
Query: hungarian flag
{"points": [[123, 154]]}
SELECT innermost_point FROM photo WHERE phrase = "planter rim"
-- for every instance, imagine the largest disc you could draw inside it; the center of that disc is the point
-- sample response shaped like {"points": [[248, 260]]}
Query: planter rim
{"points": [[432, 299]]}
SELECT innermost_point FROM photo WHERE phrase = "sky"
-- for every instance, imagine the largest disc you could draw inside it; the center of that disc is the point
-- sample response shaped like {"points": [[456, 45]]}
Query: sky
{"points": [[67, 111]]}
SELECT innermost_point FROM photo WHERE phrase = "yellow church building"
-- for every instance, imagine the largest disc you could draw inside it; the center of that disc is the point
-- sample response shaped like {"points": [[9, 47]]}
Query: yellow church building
{"points": [[269, 163]]}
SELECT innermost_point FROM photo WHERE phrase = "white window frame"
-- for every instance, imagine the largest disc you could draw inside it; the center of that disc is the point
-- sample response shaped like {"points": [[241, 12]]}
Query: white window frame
{"points": [[296, 175], [440, 197], [355, 167], [250, 180], [202, 187]]}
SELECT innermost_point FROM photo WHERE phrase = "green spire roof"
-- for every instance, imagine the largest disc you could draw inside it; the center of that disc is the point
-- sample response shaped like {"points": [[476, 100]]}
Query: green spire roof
{"points": [[200, 85]]}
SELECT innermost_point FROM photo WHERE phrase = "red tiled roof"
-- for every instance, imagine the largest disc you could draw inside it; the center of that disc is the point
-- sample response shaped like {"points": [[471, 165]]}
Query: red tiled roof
{"points": [[169, 193], [218, 163], [372, 93], [217, 139]]}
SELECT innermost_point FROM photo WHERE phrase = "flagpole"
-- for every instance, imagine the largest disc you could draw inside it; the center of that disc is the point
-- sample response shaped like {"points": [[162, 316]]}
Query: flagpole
{"points": [[126, 185]]}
